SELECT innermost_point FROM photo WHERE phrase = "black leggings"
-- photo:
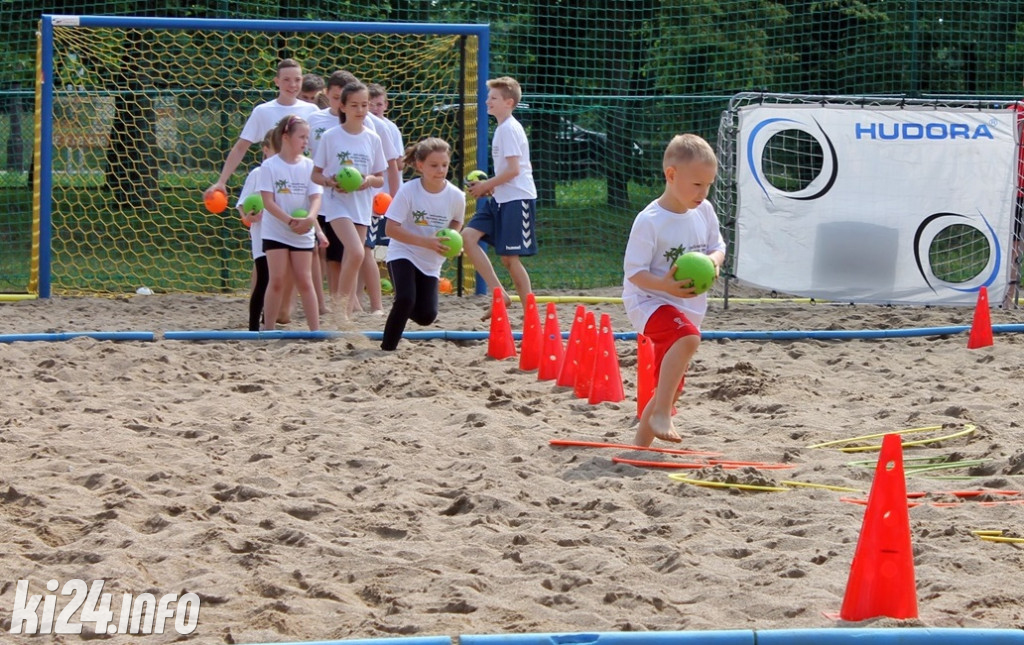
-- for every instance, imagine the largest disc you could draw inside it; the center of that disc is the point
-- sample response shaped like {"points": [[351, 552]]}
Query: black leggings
{"points": [[259, 292], [415, 300]]}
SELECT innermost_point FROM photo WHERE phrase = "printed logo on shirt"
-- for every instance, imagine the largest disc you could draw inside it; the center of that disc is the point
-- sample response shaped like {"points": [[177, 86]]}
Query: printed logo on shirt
{"points": [[283, 187], [672, 255], [319, 132], [419, 218], [358, 158]]}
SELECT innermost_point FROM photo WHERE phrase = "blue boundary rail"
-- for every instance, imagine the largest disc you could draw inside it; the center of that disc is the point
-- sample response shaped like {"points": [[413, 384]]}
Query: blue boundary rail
{"points": [[470, 335], [826, 636]]}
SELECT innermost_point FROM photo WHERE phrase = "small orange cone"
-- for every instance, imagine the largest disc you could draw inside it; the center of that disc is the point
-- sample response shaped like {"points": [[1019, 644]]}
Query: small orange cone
{"points": [[533, 338], [981, 328], [500, 344], [553, 353], [571, 361], [881, 581], [607, 385], [646, 379], [587, 358]]}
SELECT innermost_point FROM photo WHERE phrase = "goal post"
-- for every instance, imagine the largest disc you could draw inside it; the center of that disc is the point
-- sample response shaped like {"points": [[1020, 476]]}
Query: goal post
{"points": [[136, 116]]}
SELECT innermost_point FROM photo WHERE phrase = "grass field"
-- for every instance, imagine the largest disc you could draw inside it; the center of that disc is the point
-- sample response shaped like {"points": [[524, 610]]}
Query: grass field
{"points": [[174, 245]]}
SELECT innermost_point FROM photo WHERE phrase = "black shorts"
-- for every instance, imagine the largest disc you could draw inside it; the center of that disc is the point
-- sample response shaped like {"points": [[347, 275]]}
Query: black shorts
{"points": [[334, 251], [274, 245]]}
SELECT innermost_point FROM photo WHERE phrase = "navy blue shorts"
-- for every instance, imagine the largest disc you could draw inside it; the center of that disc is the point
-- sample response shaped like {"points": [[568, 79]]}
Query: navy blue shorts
{"points": [[508, 227], [375, 233]]}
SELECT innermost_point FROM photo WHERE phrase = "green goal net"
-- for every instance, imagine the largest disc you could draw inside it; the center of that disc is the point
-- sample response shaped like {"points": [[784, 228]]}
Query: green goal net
{"points": [[142, 113]]}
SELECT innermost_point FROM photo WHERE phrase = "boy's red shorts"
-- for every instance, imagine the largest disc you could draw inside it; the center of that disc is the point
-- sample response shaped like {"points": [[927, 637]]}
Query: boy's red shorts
{"points": [[664, 328]]}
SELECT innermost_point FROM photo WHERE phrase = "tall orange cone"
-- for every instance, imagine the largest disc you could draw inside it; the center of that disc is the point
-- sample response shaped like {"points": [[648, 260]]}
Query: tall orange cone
{"points": [[588, 356], [881, 581], [553, 353], [646, 379], [607, 385], [981, 328], [571, 361], [533, 337], [500, 344]]}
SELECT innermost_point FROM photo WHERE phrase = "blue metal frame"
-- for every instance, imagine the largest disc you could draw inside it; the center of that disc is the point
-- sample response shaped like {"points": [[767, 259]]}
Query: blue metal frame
{"points": [[482, 32]]}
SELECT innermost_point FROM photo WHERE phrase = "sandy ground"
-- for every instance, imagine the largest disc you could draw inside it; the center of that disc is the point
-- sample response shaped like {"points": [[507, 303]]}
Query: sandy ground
{"points": [[324, 489]]}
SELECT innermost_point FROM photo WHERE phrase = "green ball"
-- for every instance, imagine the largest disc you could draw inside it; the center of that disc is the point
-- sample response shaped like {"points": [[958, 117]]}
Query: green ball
{"points": [[476, 175], [385, 286], [252, 204], [452, 239], [349, 179], [300, 213], [697, 268]]}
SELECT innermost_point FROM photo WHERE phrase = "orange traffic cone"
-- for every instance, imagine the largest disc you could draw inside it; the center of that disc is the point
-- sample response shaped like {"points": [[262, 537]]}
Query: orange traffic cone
{"points": [[553, 353], [881, 581], [533, 338], [646, 379], [981, 328], [587, 358], [607, 385], [500, 344], [571, 361]]}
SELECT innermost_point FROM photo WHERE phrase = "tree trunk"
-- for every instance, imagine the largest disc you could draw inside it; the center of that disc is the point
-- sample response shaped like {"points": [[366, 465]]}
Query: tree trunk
{"points": [[132, 171]]}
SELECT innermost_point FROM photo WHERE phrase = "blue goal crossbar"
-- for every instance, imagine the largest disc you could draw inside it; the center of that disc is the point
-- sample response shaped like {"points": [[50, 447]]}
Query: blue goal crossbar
{"points": [[49, 21]]}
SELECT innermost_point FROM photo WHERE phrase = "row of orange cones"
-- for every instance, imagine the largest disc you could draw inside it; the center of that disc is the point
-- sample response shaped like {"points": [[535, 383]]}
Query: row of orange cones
{"points": [[588, 363]]}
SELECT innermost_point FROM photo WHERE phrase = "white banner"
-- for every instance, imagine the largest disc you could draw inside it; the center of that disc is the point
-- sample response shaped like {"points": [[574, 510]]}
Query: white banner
{"points": [[861, 223]]}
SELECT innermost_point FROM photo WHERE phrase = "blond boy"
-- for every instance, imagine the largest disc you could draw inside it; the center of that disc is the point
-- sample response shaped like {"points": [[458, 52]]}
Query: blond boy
{"points": [[662, 308], [506, 218]]}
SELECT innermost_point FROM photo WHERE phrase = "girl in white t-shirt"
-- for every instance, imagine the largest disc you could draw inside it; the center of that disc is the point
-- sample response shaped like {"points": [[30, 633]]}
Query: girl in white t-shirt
{"points": [[348, 213], [290, 230], [418, 211], [254, 220]]}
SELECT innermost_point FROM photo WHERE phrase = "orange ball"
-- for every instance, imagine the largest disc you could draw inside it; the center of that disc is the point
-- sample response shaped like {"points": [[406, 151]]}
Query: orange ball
{"points": [[444, 285], [381, 201], [216, 201]]}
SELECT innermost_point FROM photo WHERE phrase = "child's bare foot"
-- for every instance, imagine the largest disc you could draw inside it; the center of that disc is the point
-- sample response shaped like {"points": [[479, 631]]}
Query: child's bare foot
{"points": [[487, 314], [653, 426], [377, 312]]}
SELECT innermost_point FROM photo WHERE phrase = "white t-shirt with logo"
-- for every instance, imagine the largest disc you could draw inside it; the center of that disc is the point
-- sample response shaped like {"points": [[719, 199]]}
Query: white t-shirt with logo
{"points": [[510, 141], [366, 153], [424, 213], [249, 188], [266, 116], [657, 238], [292, 186]]}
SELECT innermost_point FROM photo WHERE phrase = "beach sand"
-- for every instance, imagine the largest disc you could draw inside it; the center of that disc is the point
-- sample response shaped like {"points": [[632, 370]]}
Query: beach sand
{"points": [[309, 490]]}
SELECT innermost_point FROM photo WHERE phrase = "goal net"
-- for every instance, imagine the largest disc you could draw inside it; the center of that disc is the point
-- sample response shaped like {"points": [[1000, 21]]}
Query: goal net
{"points": [[137, 116], [872, 199]]}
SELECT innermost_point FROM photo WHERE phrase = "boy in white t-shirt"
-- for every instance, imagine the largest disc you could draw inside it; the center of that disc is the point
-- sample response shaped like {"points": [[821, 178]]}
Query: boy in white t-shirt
{"points": [[660, 307], [506, 219], [265, 117]]}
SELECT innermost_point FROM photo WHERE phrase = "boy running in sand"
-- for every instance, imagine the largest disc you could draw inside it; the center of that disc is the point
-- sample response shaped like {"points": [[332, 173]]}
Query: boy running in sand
{"points": [[662, 308]]}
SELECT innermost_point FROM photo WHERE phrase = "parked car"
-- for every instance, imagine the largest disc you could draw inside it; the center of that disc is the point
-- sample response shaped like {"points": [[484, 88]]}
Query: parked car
{"points": [[573, 152]]}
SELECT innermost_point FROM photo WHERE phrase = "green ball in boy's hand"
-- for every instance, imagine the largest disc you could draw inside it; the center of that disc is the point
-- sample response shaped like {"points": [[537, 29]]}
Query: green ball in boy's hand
{"points": [[452, 240], [476, 175], [696, 267], [349, 179], [252, 204], [300, 213]]}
